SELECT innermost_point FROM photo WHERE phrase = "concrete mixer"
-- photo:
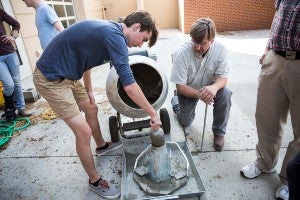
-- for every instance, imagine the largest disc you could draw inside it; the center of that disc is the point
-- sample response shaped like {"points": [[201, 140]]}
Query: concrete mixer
{"points": [[154, 85]]}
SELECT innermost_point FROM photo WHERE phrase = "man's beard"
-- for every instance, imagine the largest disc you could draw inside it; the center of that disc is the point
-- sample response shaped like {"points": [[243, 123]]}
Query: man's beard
{"points": [[199, 54]]}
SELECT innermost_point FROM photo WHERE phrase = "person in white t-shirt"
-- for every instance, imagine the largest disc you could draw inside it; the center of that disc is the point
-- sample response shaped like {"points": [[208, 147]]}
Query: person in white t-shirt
{"points": [[200, 72]]}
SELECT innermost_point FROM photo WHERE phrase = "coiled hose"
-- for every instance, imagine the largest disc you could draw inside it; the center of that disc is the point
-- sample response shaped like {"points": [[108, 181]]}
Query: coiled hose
{"points": [[7, 128]]}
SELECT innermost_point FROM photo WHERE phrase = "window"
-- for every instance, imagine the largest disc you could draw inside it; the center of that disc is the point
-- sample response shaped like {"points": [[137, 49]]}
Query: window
{"points": [[64, 10]]}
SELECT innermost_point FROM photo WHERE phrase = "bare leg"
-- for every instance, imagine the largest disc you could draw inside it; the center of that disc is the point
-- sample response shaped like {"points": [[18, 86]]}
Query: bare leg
{"points": [[83, 133], [91, 115]]}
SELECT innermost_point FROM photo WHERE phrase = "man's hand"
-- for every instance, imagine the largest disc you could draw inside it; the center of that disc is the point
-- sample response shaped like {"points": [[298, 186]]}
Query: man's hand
{"points": [[7, 38], [207, 94], [263, 56], [91, 97], [137, 96], [155, 123], [88, 85]]}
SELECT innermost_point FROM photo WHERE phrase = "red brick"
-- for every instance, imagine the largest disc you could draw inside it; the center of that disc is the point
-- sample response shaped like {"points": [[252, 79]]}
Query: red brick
{"points": [[230, 15]]}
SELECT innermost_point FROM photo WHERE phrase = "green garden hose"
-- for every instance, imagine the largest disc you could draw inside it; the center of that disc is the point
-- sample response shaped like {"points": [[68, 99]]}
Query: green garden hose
{"points": [[7, 128]]}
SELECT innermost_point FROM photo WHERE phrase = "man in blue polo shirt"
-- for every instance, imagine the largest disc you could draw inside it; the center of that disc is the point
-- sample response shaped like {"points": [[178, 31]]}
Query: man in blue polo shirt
{"points": [[69, 57]]}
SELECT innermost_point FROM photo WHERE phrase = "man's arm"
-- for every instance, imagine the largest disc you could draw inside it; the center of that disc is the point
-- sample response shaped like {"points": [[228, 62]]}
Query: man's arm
{"points": [[15, 34], [118, 52], [58, 25], [187, 91], [269, 43], [135, 93], [205, 94], [208, 93], [13, 23], [88, 85], [219, 83]]}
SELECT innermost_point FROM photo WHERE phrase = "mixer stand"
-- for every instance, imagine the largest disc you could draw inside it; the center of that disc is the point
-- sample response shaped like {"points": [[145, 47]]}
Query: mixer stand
{"points": [[117, 128]]}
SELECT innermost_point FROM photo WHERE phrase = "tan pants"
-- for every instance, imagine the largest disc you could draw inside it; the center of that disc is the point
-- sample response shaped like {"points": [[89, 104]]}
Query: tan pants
{"points": [[278, 93], [62, 95]]}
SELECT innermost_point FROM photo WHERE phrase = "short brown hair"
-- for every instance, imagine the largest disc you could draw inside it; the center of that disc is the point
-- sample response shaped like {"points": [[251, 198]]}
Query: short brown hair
{"points": [[201, 28], [147, 24]]}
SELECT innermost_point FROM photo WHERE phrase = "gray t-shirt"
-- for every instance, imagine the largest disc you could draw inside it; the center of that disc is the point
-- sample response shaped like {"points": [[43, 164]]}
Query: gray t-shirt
{"points": [[197, 71]]}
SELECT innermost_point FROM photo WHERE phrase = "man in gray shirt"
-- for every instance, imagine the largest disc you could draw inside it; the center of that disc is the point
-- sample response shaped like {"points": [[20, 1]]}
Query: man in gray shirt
{"points": [[200, 72]]}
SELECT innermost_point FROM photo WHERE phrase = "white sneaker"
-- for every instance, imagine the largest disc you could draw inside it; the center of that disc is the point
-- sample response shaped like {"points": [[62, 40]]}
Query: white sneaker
{"points": [[282, 193], [105, 190], [251, 171]]}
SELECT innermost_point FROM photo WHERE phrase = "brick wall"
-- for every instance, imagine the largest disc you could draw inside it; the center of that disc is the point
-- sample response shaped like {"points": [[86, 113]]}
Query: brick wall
{"points": [[231, 15]]}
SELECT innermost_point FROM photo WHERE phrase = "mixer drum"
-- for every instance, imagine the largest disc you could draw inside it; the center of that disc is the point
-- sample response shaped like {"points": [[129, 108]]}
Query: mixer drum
{"points": [[148, 76]]}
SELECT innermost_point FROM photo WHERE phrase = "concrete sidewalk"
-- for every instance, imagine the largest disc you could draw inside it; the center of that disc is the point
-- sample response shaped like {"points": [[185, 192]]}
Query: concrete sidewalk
{"points": [[41, 161]]}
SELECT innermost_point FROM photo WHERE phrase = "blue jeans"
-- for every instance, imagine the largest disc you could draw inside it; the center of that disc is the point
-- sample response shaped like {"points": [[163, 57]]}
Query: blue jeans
{"points": [[11, 78], [293, 174], [221, 111]]}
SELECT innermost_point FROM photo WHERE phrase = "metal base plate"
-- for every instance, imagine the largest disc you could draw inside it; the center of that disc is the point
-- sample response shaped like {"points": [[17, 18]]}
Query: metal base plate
{"points": [[131, 190]]}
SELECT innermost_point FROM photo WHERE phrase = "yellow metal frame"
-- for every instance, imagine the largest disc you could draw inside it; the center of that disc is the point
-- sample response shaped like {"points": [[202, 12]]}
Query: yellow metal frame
{"points": [[1, 95]]}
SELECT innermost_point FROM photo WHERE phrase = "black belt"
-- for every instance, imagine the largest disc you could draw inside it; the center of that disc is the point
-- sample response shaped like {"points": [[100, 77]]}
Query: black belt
{"points": [[290, 55]]}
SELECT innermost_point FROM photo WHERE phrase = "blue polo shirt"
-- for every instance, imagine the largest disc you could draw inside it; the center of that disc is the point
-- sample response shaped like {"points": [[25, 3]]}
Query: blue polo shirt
{"points": [[85, 45]]}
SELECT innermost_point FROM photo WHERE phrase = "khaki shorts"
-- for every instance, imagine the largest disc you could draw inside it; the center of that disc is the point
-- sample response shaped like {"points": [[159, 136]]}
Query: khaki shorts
{"points": [[62, 95]]}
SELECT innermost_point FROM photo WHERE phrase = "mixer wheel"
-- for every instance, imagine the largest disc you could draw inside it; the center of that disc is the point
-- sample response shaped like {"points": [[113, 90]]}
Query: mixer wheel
{"points": [[165, 120], [114, 129]]}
